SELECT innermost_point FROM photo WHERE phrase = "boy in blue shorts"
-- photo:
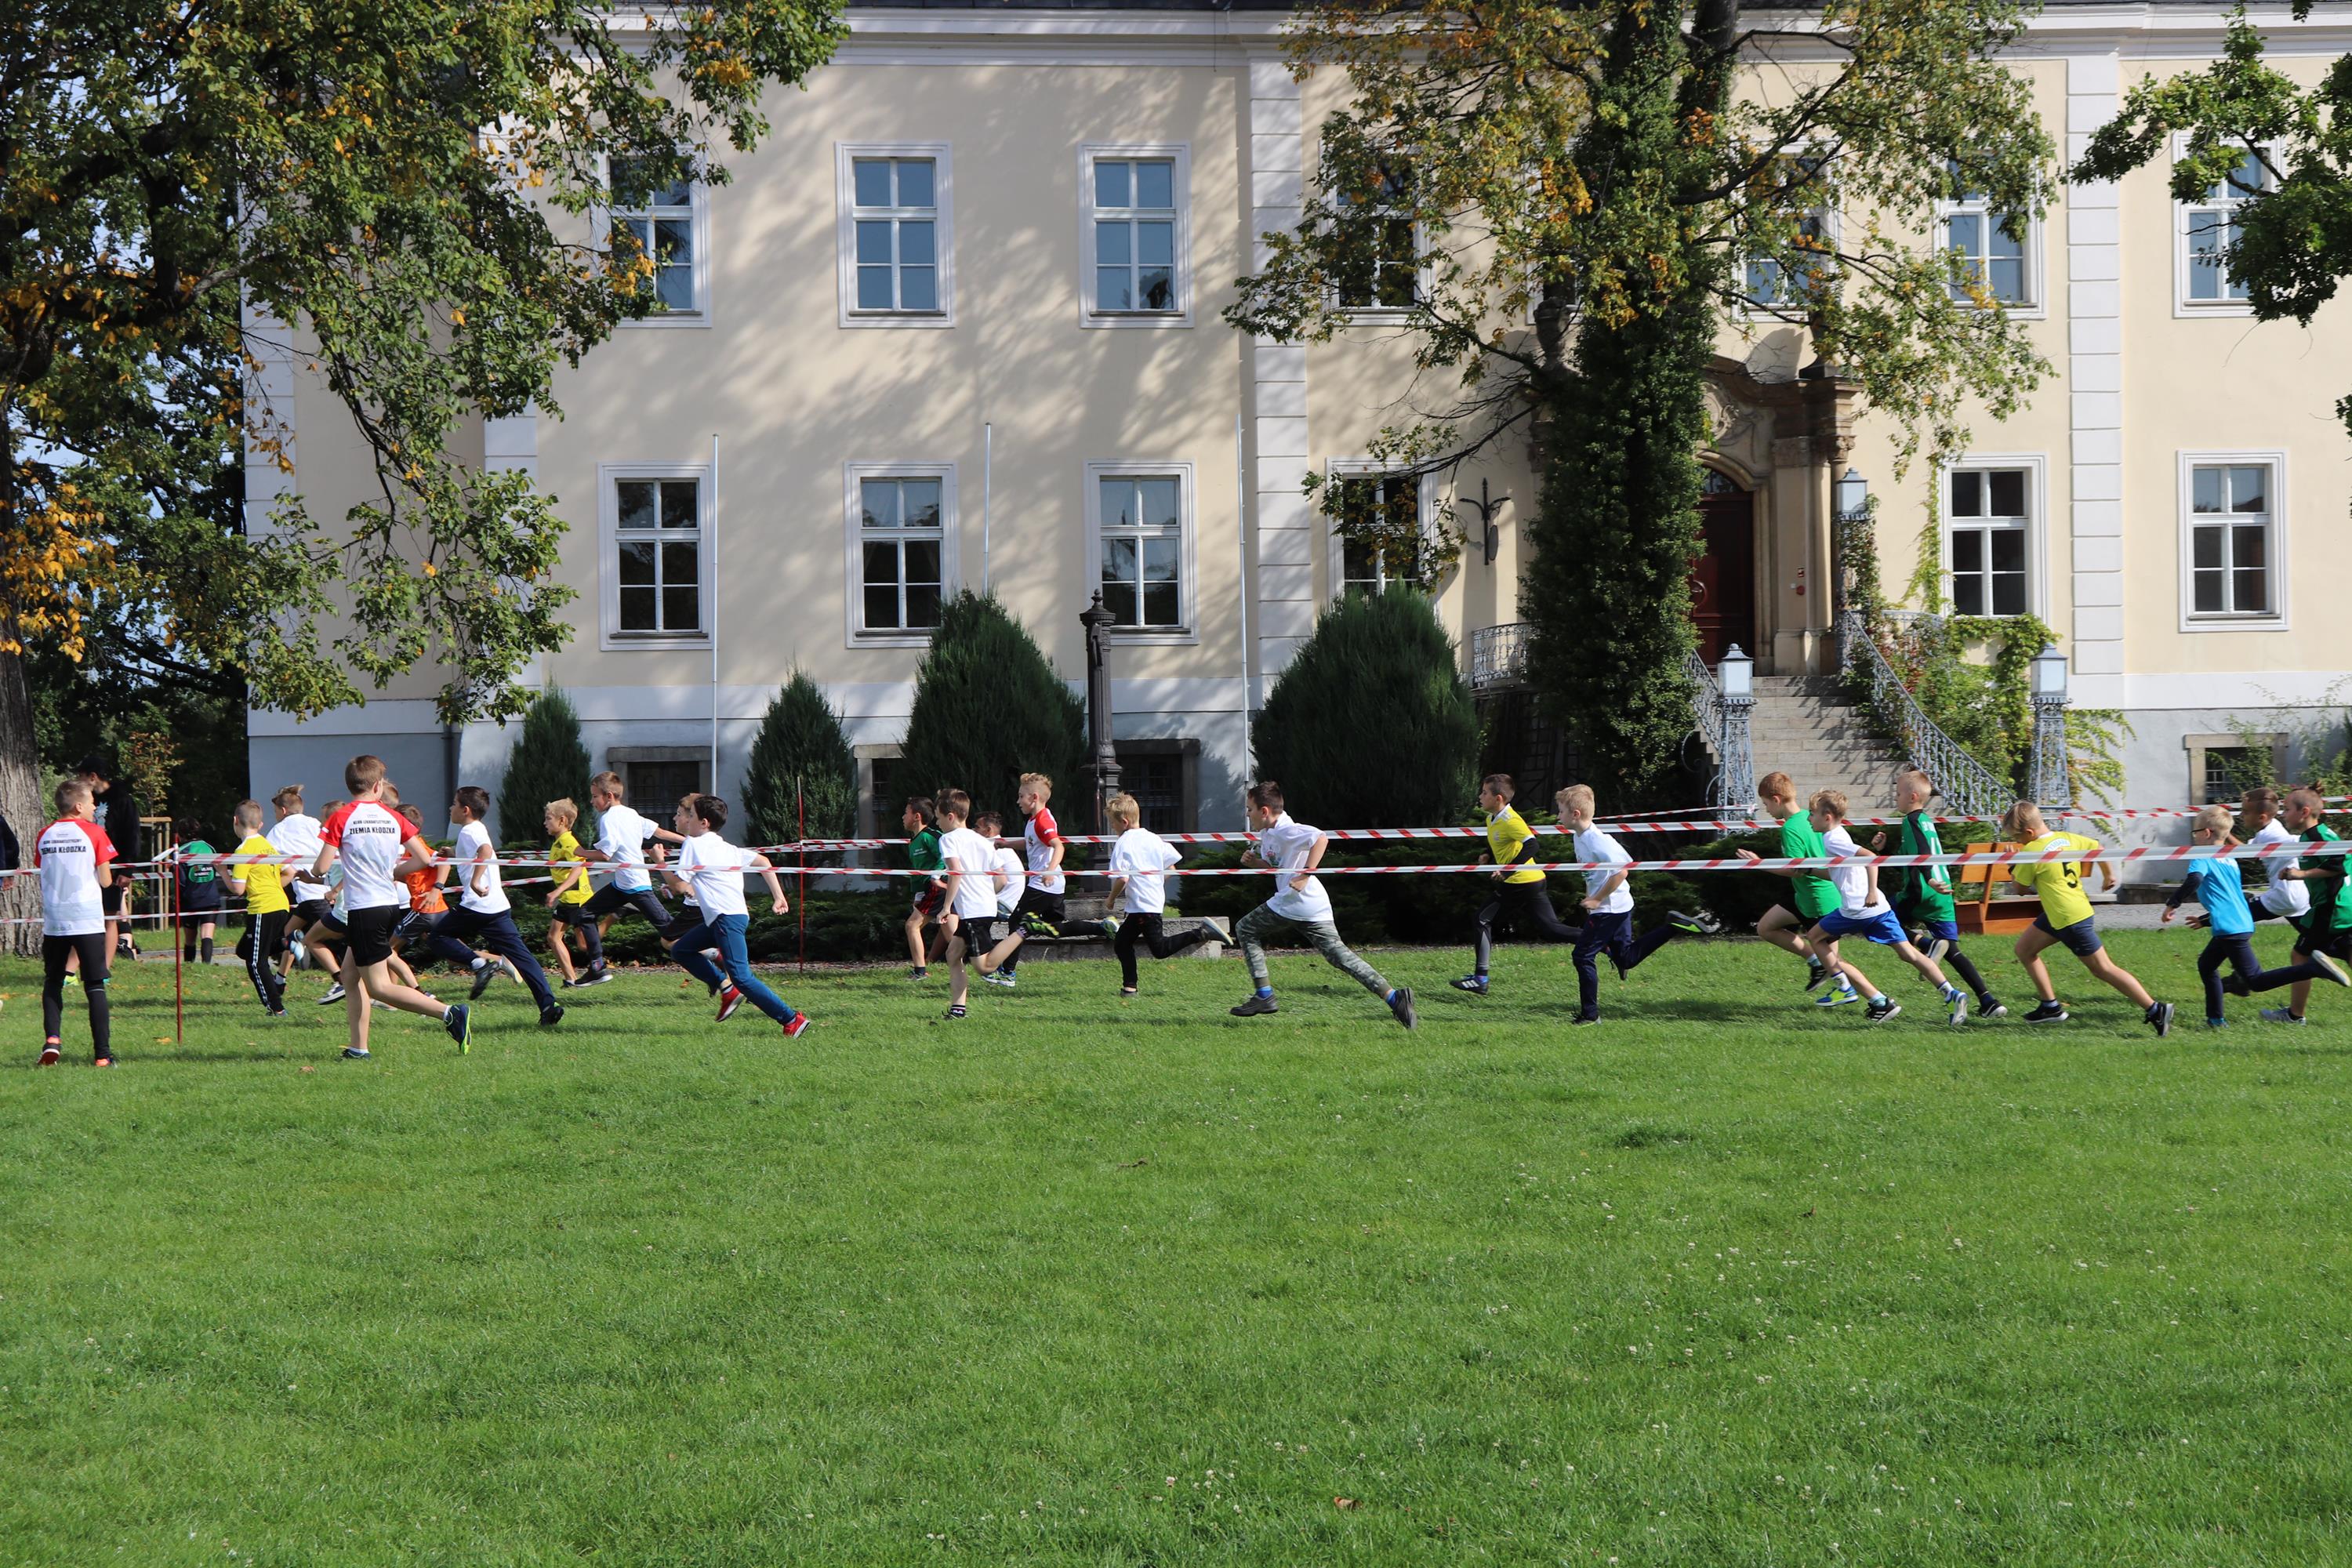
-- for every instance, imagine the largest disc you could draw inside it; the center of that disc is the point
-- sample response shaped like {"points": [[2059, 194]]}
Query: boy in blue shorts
{"points": [[1609, 907], [2066, 921], [1923, 895], [1863, 910]]}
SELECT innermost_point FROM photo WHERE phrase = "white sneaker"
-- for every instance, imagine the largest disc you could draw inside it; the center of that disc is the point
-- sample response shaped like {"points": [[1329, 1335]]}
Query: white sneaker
{"points": [[334, 994], [998, 977], [1957, 1000], [512, 973]]}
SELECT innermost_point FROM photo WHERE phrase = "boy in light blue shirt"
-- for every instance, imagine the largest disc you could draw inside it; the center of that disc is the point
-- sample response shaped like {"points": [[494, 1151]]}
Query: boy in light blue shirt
{"points": [[2220, 885]]}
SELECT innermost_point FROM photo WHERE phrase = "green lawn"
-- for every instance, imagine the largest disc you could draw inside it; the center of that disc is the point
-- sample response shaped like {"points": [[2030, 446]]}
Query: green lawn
{"points": [[1726, 1281]]}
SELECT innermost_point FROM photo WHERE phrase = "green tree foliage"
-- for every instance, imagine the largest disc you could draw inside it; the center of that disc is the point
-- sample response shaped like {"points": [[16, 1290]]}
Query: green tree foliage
{"points": [[1587, 168], [1371, 724], [548, 762], [181, 181], [800, 761], [989, 708]]}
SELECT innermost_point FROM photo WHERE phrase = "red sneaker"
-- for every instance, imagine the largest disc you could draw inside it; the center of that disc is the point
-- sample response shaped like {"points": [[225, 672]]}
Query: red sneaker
{"points": [[729, 1000], [49, 1055], [799, 1025]]}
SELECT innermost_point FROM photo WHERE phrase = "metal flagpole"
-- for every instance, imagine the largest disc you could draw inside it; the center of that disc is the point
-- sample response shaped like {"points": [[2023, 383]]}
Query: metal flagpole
{"points": [[987, 496], [711, 556]]}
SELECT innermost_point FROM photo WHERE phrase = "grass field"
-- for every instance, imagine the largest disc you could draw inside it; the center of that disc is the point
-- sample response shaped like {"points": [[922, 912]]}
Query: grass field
{"points": [[1726, 1281]]}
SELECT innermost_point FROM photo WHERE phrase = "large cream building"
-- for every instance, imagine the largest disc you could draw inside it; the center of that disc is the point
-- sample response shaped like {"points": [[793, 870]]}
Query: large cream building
{"points": [[957, 323]]}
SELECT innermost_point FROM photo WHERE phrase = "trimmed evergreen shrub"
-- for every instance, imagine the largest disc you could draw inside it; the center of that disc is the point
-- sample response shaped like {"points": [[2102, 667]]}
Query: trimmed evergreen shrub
{"points": [[1373, 725], [800, 744], [548, 762], [989, 708]]}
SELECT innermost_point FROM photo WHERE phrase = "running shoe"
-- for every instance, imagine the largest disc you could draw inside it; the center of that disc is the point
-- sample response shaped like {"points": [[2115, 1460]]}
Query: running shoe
{"points": [[600, 975], [2159, 1018], [1936, 947], [1990, 1007], [484, 973], [1878, 1012], [1837, 996], [958, 1010], [1219, 929], [999, 978], [275, 1015], [2331, 967], [1474, 984], [1036, 924], [49, 1055], [2048, 1012], [551, 1015], [578, 984], [1581, 1019], [1108, 926], [334, 994], [73, 979], [2279, 1016], [1815, 972], [1957, 1000], [353, 1054], [295, 945], [729, 1000], [1701, 924], [512, 973], [1256, 1007], [1401, 1008], [102, 1062], [2216, 1023], [459, 1021], [797, 1028], [919, 973]]}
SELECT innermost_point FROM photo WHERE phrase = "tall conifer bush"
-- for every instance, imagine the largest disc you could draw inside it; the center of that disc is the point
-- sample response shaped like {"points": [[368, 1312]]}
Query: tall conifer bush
{"points": [[548, 762], [989, 708], [1372, 725], [800, 747]]}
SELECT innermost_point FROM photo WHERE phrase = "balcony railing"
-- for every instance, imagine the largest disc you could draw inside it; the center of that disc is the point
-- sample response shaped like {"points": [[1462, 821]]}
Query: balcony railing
{"points": [[1498, 655]]}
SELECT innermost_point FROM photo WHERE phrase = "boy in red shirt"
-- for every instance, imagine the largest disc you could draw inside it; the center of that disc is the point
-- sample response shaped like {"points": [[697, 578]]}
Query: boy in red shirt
{"points": [[74, 855], [1040, 911], [370, 842]]}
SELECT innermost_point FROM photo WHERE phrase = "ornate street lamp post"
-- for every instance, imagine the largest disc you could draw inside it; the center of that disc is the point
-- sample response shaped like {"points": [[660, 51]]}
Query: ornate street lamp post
{"points": [[1103, 770], [1736, 675], [2052, 784]]}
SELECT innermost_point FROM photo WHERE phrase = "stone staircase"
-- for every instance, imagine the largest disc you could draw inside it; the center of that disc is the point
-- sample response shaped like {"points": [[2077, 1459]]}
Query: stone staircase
{"points": [[1803, 727]]}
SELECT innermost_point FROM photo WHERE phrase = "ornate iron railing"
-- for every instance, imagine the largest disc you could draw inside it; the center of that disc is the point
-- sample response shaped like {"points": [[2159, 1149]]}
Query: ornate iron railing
{"points": [[1498, 655], [1722, 723], [1968, 785]]}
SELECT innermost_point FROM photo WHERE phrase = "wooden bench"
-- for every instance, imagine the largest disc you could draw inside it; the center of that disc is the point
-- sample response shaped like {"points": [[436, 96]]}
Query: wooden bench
{"points": [[1977, 908]]}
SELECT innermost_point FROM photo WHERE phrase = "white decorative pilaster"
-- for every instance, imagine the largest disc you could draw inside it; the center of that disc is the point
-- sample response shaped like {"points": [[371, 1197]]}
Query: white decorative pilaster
{"points": [[511, 444], [2095, 368], [1284, 613]]}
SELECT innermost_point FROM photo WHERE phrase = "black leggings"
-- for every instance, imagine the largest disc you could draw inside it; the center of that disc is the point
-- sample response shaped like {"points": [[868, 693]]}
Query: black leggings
{"points": [[608, 900], [1148, 930], [1527, 906], [1046, 907], [264, 936], [93, 948], [2235, 950]]}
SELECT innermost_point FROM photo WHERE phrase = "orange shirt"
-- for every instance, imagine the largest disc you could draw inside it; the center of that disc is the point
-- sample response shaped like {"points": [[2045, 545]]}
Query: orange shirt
{"points": [[424, 891]]}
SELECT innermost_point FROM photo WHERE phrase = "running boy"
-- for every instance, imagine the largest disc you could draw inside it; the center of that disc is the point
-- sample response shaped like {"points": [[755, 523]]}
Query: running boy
{"points": [[918, 818], [621, 835], [1811, 893], [2324, 936], [1293, 851], [1139, 862], [1040, 911], [75, 856], [1863, 910], [2066, 919], [2219, 884], [970, 892], [2284, 897], [483, 914], [1007, 870], [368, 841], [296, 835], [569, 894], [1922, 894], [711, 870], [1609, 907], [261, 883], [1520, 897], [199, 892]]}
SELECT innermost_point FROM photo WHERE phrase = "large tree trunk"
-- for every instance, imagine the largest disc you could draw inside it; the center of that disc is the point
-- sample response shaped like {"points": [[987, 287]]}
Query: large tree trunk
{"points": [[20, 802]]}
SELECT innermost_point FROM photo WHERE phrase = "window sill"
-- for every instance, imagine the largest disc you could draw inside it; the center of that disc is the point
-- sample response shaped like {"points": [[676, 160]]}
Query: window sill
{"points": [[670, 320], [2233, 623], [1148, 320], [915, 320], [889, 639], [1377, 315], [2036, 311], [2226, 309], [1154, 637], [655, 642]]}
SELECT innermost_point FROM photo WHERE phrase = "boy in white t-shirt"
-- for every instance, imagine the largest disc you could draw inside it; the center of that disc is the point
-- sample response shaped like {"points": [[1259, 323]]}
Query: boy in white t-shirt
{"points": [[75, 859], [376, 848], [1863, 910], [711, 871], [621, 838], [1299, 905], [483, 918], [1139, 863], [970, 890], [2284, 897], [1609, 907]]}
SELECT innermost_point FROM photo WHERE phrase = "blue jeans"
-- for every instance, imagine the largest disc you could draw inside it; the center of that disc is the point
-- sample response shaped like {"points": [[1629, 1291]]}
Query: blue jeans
{"points": [[726, 933], [1611, 934], [461, 930]]}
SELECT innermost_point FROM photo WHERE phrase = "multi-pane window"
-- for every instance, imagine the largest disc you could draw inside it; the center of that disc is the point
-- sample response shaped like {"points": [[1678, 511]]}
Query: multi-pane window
{"points": [[1156, 780], [662, 230], [1379, 532], [895, 224], [900, 532], [1135, 233], [1990, 247], [2210, 227], [1143, 523], [657, 540], [2229, 772], [1771, 281], [1381, 266], [1991, 524], [2231, 539]]}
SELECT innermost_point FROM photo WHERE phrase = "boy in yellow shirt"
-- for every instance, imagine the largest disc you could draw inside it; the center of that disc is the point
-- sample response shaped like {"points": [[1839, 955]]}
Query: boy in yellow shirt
{"points": [[262, 884], [1520, 896], [567, 903], [2066, 919]]}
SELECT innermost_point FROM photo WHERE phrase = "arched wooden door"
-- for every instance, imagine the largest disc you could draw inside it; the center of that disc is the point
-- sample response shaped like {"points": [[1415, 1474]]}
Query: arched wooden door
{"points": [[1723, 579]]}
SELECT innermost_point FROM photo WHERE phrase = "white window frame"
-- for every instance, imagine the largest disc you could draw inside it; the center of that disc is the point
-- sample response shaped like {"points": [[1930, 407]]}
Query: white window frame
{"points": [[611, 638], [1188, 583], [2037, 521], [1090, 313], [1832, 230], [2182, 305], [1425, 284], [2035, 306], [1335, 566], [853, 478], [846, 155], [606, 215], [2277, 621]]}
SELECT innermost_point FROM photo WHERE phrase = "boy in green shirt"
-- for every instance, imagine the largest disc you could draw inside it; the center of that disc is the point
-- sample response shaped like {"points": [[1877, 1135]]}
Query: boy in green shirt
{"points": [[1923, 898], [919, 819], [1811, 893]]}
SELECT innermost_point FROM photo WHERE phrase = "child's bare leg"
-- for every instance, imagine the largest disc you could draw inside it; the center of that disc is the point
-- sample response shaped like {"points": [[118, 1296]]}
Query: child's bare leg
{"points": [[560, 949], [399, 971], [1927, 967], [355, 1008], [915, 937], [2297, 995], [1001, 952], [938, 943], [375, 980], [958, 982], [2116, 976], [1778, 927], [2032, 944]]}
